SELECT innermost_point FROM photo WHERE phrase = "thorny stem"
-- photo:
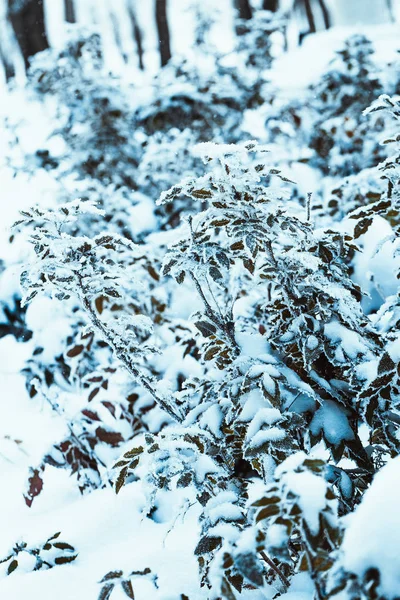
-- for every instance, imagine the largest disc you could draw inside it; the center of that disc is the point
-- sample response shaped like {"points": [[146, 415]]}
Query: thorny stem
{"points": [[120, 353], [276, 569]]}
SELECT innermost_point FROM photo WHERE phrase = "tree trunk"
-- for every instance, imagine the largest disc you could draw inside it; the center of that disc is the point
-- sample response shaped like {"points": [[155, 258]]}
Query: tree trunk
{"points": [[271, 5], [137, 36], [310, 16], [8, 49], [391, 11], [70, 16], [244, 8], [9, 69], [163, 31], [325, 14], [117, 35], [27, 19]]}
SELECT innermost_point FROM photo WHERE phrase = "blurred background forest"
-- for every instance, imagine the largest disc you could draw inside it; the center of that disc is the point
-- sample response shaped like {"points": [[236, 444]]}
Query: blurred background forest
{"points": [[141, 34]]}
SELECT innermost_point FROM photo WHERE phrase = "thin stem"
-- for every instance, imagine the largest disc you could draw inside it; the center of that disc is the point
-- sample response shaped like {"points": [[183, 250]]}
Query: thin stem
{"points": [[276, 569], [214, 298], [310, 16], [209, 310], [120, 352], [309, 196], [219, 322], [325, 14], [289, 297]]}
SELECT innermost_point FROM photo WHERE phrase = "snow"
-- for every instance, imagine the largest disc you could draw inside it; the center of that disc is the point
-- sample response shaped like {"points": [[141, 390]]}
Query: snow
{"points": [[376, 266], [289, 72], [110, 531], [372, 535], [311, 491], [102, 527], [331, 419]]}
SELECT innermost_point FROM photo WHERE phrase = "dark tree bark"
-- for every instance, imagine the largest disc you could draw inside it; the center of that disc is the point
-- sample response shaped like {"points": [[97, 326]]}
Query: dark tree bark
{"points": [[271, 5], [9, 69], [325, 14], [163, 31], [70, 16], [117, 36], [306, 6], [8, 49], [244, 8], [137, 36], [310, 16], [27, 19], [391, 11]]}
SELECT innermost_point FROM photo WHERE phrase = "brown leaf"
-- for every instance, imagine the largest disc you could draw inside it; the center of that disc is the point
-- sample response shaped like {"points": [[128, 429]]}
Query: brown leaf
{"points": [[268, 511], [201, 194], [35, 487], [127, 587], [112, 438], [12, 566], [362, 227], [93, 394], [99, 304], [75, 351]]}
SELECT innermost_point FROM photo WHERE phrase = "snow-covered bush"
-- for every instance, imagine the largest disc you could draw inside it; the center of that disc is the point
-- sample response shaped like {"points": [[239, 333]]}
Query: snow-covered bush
{"points": [[94, 110], [49, 554], [344, 141], [265, 439], [328, 120], [209, 354]]}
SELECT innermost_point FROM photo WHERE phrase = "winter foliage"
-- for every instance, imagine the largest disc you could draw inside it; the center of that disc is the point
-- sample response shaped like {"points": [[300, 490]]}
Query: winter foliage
{"points": [[201, 310]]}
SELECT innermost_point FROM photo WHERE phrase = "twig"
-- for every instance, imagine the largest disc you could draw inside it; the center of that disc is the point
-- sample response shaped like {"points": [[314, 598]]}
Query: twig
{"points": [[124, 358], [276, 570], [308, 204]]}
